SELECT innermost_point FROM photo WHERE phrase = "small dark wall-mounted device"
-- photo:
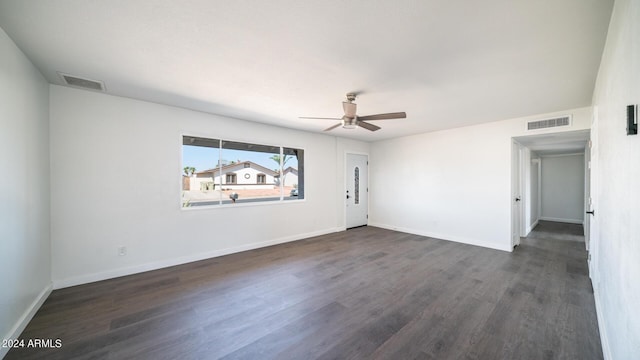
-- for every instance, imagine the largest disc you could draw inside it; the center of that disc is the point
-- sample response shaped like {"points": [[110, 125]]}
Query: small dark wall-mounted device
{"points": [[632, 120]]}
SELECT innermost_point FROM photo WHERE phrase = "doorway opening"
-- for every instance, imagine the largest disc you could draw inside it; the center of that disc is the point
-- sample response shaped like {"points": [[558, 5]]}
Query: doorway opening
{"points": [[553, 176]]}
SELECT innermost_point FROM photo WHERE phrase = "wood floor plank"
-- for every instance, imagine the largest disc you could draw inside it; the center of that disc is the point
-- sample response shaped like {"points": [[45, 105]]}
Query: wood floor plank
{"points": [[366, 293]]}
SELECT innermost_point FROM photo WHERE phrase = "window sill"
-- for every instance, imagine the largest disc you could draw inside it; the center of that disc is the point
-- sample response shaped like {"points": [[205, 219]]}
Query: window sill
{"points": [[227, 205]]}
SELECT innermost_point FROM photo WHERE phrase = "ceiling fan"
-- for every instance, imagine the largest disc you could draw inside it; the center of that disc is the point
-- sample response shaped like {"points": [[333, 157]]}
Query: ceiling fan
{"points": [[351, 121]]}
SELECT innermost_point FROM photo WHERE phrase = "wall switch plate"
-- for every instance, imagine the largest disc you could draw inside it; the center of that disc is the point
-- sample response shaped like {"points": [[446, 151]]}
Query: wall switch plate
{"points": [[122, 251], [632, 120]]}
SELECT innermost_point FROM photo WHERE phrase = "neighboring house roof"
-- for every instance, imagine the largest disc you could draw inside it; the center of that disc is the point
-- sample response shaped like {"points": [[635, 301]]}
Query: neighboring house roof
{"points": [[237, 166], [290, 170]]}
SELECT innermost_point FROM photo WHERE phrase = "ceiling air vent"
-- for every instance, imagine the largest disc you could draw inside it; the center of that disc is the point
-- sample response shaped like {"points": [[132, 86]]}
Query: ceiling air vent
{"points": [[82, 82], [549, 123]]}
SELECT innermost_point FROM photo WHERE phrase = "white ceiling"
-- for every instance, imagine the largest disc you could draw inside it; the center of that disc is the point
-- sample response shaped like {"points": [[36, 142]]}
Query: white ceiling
{"points": [[571, 142], [446, 63]]}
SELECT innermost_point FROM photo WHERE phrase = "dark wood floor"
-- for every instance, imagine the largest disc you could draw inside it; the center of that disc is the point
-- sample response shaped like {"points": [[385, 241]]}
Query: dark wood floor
{"points": [[366, 293]]}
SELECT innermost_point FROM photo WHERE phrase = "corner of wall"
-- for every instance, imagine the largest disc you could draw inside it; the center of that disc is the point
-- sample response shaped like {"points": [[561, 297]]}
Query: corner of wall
{"points": [[25, 222], [25, 318]]}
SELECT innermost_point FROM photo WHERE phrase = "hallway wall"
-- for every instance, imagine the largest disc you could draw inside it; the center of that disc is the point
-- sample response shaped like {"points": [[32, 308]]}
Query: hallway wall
{"points": [[563, 188], [615, 248]]}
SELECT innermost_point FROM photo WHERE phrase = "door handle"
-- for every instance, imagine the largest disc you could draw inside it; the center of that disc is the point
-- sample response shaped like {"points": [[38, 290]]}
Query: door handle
{"points": [[592, 212], [518, 199], [348, 197]]}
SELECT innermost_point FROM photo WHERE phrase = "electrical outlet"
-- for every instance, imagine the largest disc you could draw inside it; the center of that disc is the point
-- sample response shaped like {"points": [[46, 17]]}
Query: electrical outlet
{"points": [[122, 251]]}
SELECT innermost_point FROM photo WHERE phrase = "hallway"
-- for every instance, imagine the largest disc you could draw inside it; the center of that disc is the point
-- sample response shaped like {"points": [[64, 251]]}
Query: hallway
{"points": [[563, 284], [550, 230]]}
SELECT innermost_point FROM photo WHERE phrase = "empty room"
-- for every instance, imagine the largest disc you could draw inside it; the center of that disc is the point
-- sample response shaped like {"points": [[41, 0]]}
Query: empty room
{"points": [[320, 180]]}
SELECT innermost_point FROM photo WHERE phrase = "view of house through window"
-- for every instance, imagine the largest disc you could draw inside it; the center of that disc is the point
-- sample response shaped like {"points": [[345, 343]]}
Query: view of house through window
{"points": [[224, 172]]}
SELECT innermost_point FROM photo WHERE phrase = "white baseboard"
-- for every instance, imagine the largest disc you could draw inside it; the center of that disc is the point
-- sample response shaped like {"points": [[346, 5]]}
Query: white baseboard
{"points": [[569, 221], [26, 317], [604, 339], [114, 273], [530, 228], [506, 247]]}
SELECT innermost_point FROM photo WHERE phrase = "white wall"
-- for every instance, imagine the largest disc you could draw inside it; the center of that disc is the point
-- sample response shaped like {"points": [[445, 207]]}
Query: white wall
{"points": [[617, 249], [452, 184], [24, 191], [98, 141], [290, 179], [563, 188]]}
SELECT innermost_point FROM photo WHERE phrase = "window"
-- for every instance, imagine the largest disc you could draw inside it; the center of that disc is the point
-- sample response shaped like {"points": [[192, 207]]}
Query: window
{"points": [[356, 186], [215, 171], [231, 178]]}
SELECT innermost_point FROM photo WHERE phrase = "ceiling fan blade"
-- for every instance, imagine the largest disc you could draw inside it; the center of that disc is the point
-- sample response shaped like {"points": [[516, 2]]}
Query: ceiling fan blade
{"points": [[349, 109], [321, 118], [333, 127], [396, 115], [368, 126]]}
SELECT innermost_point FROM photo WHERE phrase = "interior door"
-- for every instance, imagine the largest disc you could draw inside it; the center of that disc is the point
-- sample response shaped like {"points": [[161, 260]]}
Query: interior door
{"points": [[357, 190], [516, 195], [592, 203], [587, 194]]}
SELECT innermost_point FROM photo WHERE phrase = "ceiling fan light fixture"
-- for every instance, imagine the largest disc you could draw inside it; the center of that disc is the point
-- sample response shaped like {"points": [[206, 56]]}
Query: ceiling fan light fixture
{"points": [[349, 124], [351, 121]]}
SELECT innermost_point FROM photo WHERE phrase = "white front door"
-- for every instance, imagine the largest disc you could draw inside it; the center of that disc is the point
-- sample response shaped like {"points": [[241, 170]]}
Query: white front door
{"points": [[357, 190]]}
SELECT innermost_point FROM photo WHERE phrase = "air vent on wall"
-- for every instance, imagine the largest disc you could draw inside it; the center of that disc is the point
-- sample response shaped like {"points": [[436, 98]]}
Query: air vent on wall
{"points": [[549, 123], [84, 83]]}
